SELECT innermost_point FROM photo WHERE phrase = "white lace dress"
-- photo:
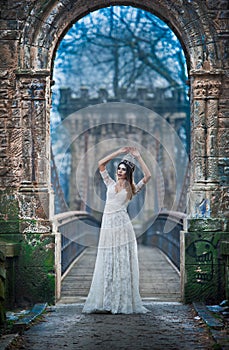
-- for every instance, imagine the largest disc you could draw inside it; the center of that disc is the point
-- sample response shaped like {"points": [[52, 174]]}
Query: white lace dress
{"points": [[115, 283]]}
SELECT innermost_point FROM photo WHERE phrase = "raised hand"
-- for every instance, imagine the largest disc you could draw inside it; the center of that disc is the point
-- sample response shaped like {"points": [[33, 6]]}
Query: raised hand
{"points": [[135, 153], [125, 149]]}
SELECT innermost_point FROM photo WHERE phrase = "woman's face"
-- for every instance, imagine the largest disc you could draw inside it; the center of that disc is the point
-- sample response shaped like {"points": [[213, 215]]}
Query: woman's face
{"points": [[121, 171]]}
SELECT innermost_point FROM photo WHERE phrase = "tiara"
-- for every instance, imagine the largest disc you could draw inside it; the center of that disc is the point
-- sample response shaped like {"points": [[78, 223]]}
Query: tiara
{"points": [[130, 164]]}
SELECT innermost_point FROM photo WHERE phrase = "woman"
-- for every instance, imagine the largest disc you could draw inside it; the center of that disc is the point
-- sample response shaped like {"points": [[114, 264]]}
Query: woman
{"points": [[115, 283]]}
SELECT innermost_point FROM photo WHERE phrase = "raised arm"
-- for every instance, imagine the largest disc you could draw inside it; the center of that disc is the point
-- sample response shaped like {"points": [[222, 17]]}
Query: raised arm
{"points": [[136, 154], [102, 163]]}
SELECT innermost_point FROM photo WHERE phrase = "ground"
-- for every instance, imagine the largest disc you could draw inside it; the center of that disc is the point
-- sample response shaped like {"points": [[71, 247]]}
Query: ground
{"points": [[167, 325]]}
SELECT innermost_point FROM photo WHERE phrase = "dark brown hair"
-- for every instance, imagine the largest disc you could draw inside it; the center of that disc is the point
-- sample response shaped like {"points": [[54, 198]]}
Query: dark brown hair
{"points": [[130, 187]]}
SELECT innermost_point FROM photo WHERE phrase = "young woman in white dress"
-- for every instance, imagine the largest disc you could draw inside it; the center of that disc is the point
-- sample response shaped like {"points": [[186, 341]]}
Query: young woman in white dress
{"points": [[115, 283]]}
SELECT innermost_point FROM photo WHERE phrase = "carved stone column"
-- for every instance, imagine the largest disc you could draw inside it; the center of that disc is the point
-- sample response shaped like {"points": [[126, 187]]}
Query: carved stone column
{"points": [[33, 94], [204, 152], [202, 264], [35, 275]]}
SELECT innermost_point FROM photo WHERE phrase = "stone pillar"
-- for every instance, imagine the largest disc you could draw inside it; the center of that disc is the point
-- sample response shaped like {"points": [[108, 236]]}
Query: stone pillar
{"points": [[33, 98], [30, 200], [203, 266]]}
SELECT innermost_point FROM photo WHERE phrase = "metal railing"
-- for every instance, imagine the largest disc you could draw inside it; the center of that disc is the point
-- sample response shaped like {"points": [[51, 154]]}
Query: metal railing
{"points": [[164, 233], [78, 230], [60, 204]]}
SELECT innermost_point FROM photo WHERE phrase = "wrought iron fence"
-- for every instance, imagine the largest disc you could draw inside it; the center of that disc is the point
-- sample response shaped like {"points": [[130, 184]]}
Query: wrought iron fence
{"points": [[78, 230], [164, 233]]}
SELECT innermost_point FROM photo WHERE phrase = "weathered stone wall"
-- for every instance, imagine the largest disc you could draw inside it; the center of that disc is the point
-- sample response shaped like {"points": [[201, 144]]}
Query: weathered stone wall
{"points": [[29, 34]]}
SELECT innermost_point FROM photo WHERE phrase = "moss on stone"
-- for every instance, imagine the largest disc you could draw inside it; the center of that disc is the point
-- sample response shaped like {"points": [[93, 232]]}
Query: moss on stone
{"points": [[36, 276], [204, 267]]}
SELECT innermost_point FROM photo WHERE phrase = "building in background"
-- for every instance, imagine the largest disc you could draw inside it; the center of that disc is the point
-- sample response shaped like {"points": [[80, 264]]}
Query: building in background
{"points": [[161, 129]]}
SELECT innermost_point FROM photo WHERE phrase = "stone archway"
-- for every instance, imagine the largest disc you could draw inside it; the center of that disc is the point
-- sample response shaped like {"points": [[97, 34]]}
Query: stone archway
{"points": [[29, 51]]}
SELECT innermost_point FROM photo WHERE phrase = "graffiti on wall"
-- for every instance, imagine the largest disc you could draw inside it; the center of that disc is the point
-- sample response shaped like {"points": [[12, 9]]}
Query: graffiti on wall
{"points": [[201, 254]]}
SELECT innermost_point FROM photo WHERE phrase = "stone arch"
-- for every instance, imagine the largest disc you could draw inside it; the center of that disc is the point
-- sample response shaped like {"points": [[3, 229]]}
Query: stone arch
{"points": [[47, 24], [30, 50]]}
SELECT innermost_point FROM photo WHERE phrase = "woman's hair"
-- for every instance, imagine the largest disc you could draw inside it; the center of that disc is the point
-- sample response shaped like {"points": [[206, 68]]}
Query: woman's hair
{"points": [[130, 186]]}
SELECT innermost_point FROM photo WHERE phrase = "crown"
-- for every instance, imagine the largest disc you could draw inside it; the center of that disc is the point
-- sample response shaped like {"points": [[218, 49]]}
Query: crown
{"points": [[130, 164]]}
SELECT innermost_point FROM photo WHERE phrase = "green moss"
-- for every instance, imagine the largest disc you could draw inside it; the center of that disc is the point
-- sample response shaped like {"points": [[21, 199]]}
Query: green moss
{"points": [[9, 207], [204, 267], [35, 276]]}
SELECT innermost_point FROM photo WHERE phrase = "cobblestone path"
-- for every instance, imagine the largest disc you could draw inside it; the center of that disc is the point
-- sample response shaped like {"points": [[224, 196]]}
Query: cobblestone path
{"points": [[167, 326]]}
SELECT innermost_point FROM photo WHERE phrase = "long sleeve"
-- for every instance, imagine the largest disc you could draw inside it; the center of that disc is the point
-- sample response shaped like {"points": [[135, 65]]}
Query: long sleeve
{"points": [[106, 177], [140, 185]]}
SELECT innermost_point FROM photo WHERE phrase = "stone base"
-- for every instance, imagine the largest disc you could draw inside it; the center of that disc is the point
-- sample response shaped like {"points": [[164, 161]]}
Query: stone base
{"points": [[35, 274], [30, 272], [202, 267]]}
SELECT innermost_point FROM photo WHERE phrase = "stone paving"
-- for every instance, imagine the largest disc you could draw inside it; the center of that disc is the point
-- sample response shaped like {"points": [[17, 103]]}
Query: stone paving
{"points": [[167, 325]]}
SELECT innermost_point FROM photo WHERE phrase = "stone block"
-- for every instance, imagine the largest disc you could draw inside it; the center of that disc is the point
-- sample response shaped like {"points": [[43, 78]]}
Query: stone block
{"points": [[211, 142], [223, 152], [16, 10], [34, 285], [219, 203], [12, 24], [224, 123], [8, 54], [30, 268], [35, 275], [42, 54], [199, 140], [34, 204], [223, 171], [217, 4], [206, 225], [32, 88], [42, 168], [14, 122], [9, 207], [33, 226], [9, 34], [212, 114], [204, 267], [212, 169], [9, 226], [3, 122], [199, 114], [15, 147], [224, 248], [208, 200], [223, 137], [10, 249], [223, 142], [199, 169], [7, 84]]}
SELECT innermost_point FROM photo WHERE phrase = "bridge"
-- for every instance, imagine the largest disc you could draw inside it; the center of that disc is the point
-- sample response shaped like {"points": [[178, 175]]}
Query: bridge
{"points": [[158, 249], [159, 256]]}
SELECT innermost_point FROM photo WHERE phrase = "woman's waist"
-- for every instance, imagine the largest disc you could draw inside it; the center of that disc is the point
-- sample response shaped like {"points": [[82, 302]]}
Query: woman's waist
{"points": [[110, 209]]}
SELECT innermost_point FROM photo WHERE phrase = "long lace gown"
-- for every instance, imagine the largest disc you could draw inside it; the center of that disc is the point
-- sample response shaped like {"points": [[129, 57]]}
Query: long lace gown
{"points": [[115, 283]]}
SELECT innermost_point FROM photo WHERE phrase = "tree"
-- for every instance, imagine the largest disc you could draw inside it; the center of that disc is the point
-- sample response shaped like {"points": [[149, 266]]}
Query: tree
{"points": [[120, 47]]}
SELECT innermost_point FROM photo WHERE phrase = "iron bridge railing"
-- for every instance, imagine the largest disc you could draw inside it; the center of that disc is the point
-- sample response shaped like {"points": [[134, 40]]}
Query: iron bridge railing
{"points": [[164, 233], [78, 230]]}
